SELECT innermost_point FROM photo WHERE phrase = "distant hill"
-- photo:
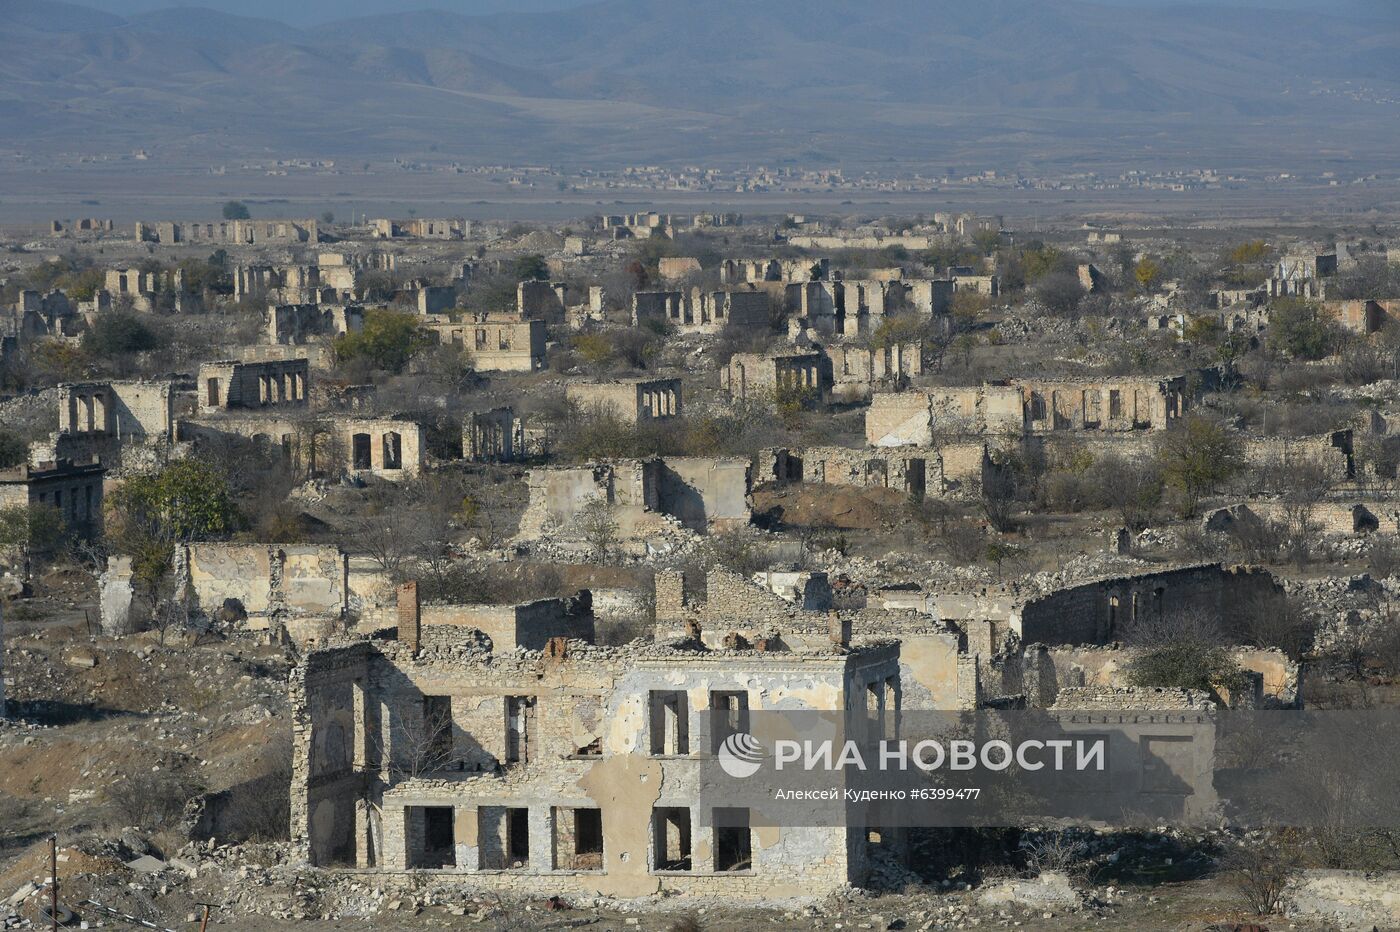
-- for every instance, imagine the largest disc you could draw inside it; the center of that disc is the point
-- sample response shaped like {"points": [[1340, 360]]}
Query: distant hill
{"points": [[1000, 81]]}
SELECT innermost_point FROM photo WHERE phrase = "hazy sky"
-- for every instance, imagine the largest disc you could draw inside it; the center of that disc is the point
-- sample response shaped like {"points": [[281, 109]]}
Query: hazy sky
{"points": [[310, 12]]}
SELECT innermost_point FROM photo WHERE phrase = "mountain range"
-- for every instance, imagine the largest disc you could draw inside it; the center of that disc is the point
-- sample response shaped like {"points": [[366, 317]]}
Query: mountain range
{"points": [[924, 82]]}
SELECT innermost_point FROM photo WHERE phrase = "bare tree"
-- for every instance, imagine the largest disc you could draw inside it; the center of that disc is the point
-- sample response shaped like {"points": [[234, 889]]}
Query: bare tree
{"points": [[599, 529], [417, 745], [1259, 874]]}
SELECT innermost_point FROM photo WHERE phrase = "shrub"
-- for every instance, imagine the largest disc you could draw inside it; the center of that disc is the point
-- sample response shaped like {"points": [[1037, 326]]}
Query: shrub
{"points": [[118, 333], [1188, 665], [1302, 329], [1259, 875], [153, 801], [387, 341]]}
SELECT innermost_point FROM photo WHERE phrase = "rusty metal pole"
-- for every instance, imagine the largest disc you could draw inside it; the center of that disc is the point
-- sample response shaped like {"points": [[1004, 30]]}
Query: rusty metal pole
{"points": [[53, 881]]}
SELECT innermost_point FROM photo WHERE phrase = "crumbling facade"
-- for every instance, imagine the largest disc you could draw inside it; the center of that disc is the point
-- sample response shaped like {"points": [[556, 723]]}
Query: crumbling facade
{"points": [[1042, 406], [494, 436], [500, 342], [642, 496], [573, 766], [72, 489], [385, 447], [229, 384], [633, 401], [778, 375], [230, 232]]}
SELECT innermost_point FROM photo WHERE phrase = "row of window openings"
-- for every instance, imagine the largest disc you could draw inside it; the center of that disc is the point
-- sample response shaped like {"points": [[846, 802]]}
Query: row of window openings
{"points": [[1093, 409], [668, 716], [482, 341], [272, 389], [503, 836], [74, 513], [362, 446]]}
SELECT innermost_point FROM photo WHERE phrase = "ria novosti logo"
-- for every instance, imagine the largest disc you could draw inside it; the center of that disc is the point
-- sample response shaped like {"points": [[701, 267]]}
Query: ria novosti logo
{"points": [[741, 755]]}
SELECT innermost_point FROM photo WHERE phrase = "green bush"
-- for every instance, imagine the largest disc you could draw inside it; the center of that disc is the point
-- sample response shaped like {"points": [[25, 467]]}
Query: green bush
{"points": [[387, 341], [119, 333]]}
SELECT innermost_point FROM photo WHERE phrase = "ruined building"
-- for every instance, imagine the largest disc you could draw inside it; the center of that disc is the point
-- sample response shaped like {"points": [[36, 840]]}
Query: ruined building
{"points": [[501, 342], [643, 496], [1025, 406], [494, 436], [575, 766], [73, 489], [703, 311], [789, 373], [229, 384], [634, 401], [230, 232]]}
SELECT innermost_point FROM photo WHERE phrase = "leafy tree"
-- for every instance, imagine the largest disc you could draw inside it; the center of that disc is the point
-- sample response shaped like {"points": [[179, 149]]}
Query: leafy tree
{"points": [[13, 449], [236, 210], [1148, 274], [987, 241], [1133, 490], [206, 275], [31, 530], [1042, 260], [895, 329], [966, 306], [530, 267], [387, 340], [1060, 293], [1250, 252], [1205, 330], [147, 515], [998, 552], [1196, 456], [1188, 665], [82, 285], [1302, 329], [118, 333]]}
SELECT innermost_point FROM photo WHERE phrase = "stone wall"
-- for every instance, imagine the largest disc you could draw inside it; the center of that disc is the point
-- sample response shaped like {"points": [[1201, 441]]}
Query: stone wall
{"points": [[266, 580], [1345, 899], [845, 466]]}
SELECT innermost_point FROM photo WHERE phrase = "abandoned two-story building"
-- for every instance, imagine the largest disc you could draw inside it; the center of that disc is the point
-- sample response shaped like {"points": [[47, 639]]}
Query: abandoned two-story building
{"points": [[573, 766]]}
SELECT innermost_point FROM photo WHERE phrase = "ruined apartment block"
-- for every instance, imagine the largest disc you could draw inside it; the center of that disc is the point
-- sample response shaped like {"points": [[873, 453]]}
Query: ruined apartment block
{"points": [[302, 591], [385, 447], [1025, 407], [229, 384], [498, 342], [125, 425], [422, 228], [703, 311], [231, 232], [883, 469], [72, 488], [858, 372], [777, 375], [300, 324], [575, 766], [633, 401]]}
